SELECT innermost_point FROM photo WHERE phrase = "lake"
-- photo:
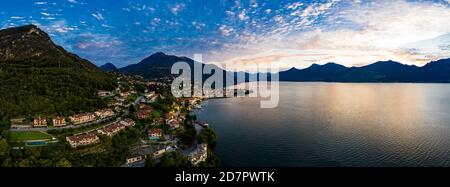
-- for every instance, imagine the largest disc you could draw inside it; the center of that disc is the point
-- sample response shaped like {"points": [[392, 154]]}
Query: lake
{"points": [[335, 124]]}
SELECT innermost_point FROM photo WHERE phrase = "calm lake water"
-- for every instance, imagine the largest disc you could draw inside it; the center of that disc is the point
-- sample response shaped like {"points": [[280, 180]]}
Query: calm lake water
{"points": [[335, 124]]}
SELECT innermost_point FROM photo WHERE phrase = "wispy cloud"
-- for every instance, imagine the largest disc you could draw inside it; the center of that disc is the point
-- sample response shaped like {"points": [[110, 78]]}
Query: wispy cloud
{"points": [[98, 16], [40, 3]]}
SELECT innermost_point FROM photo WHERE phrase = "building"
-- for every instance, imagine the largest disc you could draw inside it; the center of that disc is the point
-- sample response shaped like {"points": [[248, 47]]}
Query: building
{"points": [[104, 93], [83, 139], [127, 122], [154, 134], [198, 155], [125, 94], [40, 122], [104, 113], [82, 118], [59, 121], [118, 103], [154, 98], [145, 107], [159, 153], [116, 127], [144, 111], [149, 95], [158, 121], [142, 114], [173, 123], [111, 129], [134, 159]]}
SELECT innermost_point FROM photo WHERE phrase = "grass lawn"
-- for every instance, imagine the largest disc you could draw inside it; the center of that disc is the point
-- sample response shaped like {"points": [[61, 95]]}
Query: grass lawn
{"points": [[28, 135]]}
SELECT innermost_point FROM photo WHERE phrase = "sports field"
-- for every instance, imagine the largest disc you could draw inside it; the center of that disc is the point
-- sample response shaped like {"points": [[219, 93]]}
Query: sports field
{"points": [[28, 135]]}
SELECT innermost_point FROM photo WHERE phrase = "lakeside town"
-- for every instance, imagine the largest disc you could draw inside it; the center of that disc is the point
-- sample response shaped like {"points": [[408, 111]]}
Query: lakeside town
{"points": [[165, 125]]}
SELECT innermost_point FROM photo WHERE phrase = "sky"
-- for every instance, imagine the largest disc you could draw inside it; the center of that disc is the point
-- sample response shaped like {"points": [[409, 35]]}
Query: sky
{"points": [[246, 34]]}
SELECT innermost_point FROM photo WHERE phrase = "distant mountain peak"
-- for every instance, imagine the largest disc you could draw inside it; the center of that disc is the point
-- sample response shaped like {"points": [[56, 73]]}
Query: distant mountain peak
{"points": [[293, 68], [314, 65], [156, 65], [108, 67], [158, 54], [387, 62], [332, 64], [327, 65]]}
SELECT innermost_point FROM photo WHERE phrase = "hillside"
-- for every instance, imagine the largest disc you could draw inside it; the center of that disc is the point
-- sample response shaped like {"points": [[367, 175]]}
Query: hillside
{"points": [[39, 77]]}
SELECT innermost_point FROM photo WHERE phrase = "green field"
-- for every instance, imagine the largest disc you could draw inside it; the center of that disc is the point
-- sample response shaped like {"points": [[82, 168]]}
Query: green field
{"points": [[28, 135]]}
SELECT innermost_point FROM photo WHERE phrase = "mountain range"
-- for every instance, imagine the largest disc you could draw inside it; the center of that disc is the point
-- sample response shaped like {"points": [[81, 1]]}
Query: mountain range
{"points": [[159, 65], [383, 71]]}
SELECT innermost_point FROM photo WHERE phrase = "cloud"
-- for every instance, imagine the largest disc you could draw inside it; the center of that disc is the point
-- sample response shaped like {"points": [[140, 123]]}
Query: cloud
{"points": [[294, 5], [99, 48], [225, 30], [177, 8], [88, 41], [60, 26], [98, 16], [107, 26], [17, 17], [40, 3], [229, 13], [155, 21], [45, 13], [243, 16], [352, 35], [72, 1], [198, 25]]}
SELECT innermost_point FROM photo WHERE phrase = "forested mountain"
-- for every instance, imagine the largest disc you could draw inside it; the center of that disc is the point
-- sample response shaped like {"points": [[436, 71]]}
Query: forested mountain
{"points": [[40, 77], [156, 65]]}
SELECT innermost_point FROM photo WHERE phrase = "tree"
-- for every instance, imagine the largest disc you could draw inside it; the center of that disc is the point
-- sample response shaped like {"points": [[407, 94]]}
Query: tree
{"points": [[25, 163], [150, 161], [174, 159], [4, 150], [63, 163], [187, 136], [132, 109], [156, 114], [208, 136], [140, 88], [5, 124]]}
